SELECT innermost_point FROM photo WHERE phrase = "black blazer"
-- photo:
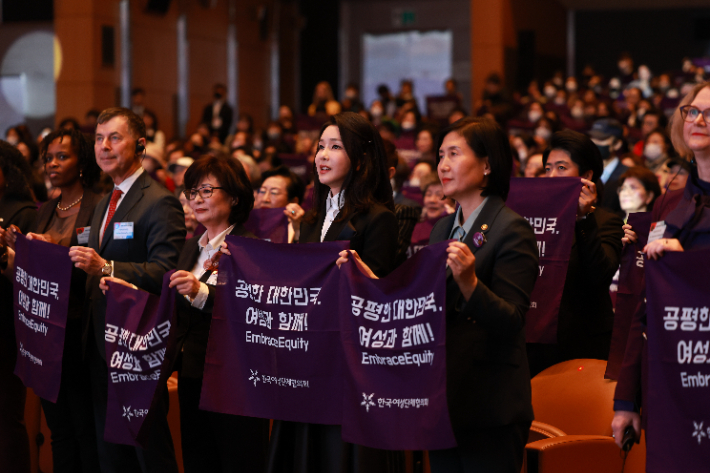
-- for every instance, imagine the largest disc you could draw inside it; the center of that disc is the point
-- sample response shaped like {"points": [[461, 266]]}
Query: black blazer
{"points": [[77, 293], [158, 236], [193, 325], [586, 316], [487, 376], [372, 234]]}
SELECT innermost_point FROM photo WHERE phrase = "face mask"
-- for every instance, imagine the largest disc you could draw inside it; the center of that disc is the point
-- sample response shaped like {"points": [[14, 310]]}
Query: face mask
{"points": [[605, 151], [664, 86], [376, 111], [644, 74], [687, 66], [544, 133], [522, 153], [274, 135], [351, 94], [13, 140], [652, 151], [557, 81], [640, 112], [550, 91], [672, 94], [534, 115], [559, 100], [571, 86], [615, 83], [408, 126], [217, 96], [577, 112]]}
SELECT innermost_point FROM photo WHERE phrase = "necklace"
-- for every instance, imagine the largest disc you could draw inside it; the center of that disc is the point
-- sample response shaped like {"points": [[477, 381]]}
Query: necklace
{"points": [[70, 205]]}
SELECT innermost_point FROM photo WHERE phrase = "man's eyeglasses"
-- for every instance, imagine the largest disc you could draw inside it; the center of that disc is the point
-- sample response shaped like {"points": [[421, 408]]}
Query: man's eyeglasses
{"points": [[689, 113], [204, 191]]}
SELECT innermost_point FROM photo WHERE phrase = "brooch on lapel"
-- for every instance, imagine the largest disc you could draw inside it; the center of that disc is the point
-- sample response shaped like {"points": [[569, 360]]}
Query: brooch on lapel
{"points": [[479, 239]]}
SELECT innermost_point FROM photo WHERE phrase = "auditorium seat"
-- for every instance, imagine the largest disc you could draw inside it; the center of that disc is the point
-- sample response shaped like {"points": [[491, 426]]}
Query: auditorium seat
{"points": [[573, 406]]}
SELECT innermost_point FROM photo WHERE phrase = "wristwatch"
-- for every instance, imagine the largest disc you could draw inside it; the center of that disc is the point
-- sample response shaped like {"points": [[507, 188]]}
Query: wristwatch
{"points": [[107, 269]]}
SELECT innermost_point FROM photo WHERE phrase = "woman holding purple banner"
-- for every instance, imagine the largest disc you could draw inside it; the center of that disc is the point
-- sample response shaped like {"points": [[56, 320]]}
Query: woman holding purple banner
{"points": [[493, 265], [70, 166], [352, 201], [686, 214], [220, 194]]}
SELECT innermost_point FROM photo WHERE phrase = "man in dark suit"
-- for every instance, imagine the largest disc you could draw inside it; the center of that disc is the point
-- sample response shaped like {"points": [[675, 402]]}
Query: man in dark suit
{"points": [[153, 233], [218, 114]]}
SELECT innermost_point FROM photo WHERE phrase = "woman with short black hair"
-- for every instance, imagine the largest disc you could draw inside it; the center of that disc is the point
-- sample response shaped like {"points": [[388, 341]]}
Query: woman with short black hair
{"points": [[493, 266]]}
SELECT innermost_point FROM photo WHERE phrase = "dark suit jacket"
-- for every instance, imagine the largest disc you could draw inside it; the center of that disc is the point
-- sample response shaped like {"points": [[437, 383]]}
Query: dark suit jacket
{"points": [[77, 293], [586, 316], [487, 376], [158, 236], [610, 197], [372, 234], [225, 113], [193, 325]]}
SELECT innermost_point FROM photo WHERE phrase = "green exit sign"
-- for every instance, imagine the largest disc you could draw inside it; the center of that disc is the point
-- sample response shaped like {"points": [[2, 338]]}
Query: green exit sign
{"points": [[403, 17]]}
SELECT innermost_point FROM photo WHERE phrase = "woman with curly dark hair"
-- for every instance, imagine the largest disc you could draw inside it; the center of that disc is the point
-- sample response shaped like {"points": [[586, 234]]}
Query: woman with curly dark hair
{"points": [[70, 166]]}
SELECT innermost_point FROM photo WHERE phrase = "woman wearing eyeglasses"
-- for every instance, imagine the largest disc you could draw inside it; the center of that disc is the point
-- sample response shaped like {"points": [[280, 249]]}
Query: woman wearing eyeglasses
{"points": [[211, 441], [220, 194], [687, 218]]}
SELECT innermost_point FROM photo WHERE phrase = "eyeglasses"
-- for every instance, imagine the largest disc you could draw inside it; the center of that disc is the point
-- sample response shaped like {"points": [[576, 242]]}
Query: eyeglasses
{"points": [[690, 113], [204, 191], [273, 192]]}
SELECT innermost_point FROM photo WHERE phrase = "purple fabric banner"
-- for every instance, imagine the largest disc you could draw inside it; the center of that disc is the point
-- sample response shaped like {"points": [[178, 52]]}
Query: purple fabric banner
{"points": [[41, 287], [550, 205], [280, 339], [274, 348], [268, 224], [394, 339], [629, 292], [138, 335], [678, 411]]}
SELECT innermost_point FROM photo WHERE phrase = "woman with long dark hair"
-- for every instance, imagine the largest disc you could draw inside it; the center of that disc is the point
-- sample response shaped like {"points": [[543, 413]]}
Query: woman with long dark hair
{"points": [[352, 200]]}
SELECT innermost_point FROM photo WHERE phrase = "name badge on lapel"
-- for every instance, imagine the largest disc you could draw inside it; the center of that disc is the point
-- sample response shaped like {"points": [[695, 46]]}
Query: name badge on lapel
{"points": [[123, 231], [657, 231], [82, 235]]}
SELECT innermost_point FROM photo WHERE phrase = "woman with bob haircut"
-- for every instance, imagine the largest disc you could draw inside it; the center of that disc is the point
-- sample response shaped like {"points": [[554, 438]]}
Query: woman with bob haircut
{"points": [[687, 219], [352, 200], [220, 194], [586, 315], [492, 269]]}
